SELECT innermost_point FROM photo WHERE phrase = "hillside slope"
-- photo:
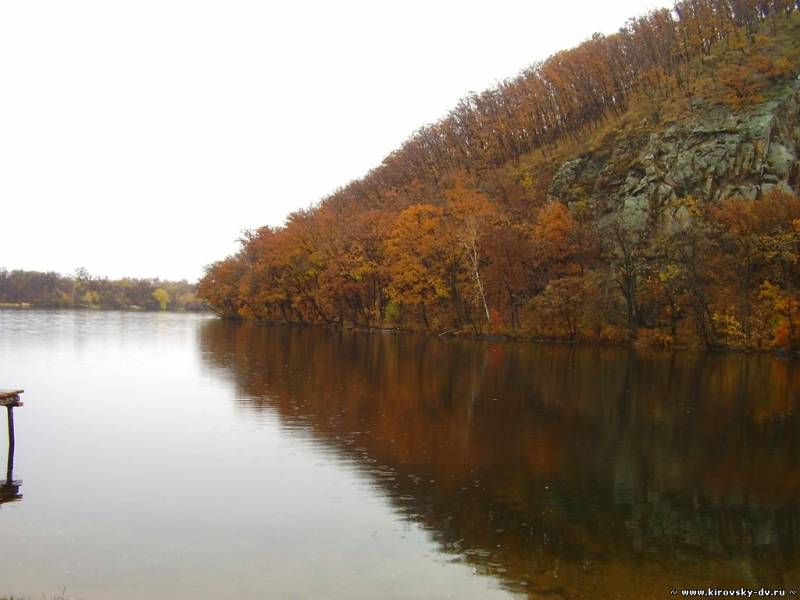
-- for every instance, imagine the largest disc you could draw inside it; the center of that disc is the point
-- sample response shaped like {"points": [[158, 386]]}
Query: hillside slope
{"points": [[649, 195]]}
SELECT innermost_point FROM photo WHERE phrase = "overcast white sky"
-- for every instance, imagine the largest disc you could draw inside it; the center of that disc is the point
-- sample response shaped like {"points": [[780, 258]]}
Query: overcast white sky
{"points": [[139, 138]]}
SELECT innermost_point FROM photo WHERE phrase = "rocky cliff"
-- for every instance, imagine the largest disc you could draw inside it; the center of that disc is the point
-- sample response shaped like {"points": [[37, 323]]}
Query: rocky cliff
{"points": [[712, 153]]}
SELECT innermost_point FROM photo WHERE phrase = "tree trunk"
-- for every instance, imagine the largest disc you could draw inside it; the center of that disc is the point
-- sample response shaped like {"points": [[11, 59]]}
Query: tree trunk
{"points": [[473, 255]]}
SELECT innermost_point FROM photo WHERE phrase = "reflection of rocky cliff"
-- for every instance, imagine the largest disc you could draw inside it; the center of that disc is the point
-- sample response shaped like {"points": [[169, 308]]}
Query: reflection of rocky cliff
{"points": [[576, 472]]}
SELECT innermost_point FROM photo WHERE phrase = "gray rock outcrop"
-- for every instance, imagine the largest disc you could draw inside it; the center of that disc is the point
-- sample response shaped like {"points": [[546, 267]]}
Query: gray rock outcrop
{"points": [[716, 154]]}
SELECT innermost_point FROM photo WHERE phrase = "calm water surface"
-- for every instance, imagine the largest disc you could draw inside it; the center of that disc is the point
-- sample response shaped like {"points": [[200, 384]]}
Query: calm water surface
{"points": [[178, 456]]}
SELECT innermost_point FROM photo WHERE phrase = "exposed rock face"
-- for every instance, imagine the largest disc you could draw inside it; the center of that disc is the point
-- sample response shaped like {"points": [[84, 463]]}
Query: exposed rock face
{"points": [[716, 154]]}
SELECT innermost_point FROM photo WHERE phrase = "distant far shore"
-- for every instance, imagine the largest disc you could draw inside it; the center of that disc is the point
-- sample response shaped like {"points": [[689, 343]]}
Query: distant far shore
{"points": [[35, 289], [131, 308]]}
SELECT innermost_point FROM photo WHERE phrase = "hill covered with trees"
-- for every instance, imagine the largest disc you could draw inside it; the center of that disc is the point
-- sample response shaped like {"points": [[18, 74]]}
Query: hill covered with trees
{"points": [[641, 186], [82, 290]]}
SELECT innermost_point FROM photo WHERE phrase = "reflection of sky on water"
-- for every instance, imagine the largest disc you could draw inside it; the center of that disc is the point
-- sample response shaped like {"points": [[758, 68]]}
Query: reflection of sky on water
{"points": [[145, 478]]}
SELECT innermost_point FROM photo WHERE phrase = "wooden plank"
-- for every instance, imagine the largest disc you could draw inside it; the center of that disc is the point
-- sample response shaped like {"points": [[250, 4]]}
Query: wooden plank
{"points": [[10, 398]]}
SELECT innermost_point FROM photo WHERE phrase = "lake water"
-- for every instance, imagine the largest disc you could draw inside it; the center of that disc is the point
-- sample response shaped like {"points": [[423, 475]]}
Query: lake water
{"points": [[178, 456]]}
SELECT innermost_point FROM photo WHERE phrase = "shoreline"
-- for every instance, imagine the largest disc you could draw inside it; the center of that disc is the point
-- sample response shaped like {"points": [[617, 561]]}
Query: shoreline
{"points": [[638, 345], [132, 309], [468, 336]]}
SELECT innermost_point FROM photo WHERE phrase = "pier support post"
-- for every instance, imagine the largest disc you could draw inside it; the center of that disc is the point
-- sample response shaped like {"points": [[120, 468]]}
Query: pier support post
{"points": [[10, 426], [11, 443]]}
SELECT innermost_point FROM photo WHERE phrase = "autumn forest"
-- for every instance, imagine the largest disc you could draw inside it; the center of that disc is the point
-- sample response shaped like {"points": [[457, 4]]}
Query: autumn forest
{"points": [[551, 207]]}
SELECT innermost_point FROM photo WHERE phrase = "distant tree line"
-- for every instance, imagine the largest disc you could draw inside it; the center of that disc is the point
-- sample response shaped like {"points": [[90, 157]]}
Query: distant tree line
{"points": [[82, 290], [447, 235]]}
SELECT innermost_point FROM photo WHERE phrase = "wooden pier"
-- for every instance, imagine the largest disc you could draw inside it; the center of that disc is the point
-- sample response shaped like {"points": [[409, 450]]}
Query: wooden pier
{"points": [[9, 489]]}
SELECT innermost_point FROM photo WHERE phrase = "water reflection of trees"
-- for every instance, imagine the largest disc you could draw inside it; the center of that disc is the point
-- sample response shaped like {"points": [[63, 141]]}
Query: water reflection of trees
{"points": [[573, 471]]}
